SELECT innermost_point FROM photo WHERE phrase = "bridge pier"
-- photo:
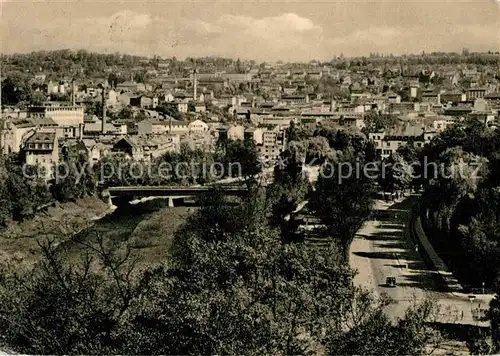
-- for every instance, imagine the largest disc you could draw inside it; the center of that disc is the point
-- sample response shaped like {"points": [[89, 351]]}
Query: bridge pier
{"points": [[106, 197], [121, 201], [170, 202]]}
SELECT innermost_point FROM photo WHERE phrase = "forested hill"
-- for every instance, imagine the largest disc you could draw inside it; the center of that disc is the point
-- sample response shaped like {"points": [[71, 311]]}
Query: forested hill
{"points": [[67, 62], [89, 64]]}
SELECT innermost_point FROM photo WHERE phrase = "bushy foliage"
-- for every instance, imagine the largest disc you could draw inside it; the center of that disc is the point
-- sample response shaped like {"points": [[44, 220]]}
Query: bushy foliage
{"points": [[343, 198], [230, 286], [343, 204], [21, 193], [459, 191]]}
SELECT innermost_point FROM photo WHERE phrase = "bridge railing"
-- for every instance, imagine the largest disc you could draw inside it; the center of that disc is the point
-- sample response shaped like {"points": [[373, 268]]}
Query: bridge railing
{"points": [[167, 188]]}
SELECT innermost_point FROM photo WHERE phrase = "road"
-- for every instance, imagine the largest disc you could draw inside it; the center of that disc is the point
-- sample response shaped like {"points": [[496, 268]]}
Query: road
{"points": [[383, 248]]}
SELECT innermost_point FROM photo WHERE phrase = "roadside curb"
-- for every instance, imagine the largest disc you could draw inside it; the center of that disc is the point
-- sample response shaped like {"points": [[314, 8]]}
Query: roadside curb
{"points": [[432, 257]]}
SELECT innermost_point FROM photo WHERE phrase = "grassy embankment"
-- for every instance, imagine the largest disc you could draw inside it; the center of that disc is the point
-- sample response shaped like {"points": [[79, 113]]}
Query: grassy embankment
{"points": [[146, 229]]}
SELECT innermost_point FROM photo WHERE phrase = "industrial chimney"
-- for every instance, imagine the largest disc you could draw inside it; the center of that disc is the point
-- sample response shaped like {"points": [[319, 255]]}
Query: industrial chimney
{"points": [[103, 123], [73, 93], [194, 86], [80, 131]]}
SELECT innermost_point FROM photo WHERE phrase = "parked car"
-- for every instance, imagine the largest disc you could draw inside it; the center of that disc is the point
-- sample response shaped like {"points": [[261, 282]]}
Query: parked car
{"points": [[390, 281]]}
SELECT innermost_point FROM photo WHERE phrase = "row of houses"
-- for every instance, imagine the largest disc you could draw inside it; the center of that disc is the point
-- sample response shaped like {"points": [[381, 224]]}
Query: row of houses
{"points": [[388, 141]]}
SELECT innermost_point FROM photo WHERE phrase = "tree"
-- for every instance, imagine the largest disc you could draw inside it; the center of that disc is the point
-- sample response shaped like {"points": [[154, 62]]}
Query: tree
{"points": [[289, 168], [403, 173], [230, 285], [74, 180], [409, 153], [37, 98], [476, 238], [170, 109], [343, 201], [242, 155], [318, 150], [459, 191], [26, 194], [239, 68], [494, 316], [114, 80], [16, 88], [291, 132], [372, 333], [376, 121], [289, 189], [141, 76], [63, 309], [242, 285], [140, 116], [125, 114]]}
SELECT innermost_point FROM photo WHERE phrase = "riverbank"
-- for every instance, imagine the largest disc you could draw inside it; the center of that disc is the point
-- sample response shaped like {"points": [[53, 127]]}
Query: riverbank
{"points": [[146, 228], [18, 241]]}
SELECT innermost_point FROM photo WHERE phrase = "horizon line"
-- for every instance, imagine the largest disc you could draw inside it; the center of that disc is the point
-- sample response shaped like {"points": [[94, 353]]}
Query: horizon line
{"points": [[341, 56]]}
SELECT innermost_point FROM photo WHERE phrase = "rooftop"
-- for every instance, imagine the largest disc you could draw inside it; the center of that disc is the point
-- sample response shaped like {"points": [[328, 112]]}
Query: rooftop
{"points": [[42, 137], [409, 129]]}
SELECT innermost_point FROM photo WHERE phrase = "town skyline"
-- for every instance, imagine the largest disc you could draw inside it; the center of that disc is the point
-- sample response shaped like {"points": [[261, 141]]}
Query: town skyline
{"points": [[271, 31], [339, 57]]}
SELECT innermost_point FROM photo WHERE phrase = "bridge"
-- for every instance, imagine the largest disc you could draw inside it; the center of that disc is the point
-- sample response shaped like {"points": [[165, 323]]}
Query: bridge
{"points": [[120, 195]]}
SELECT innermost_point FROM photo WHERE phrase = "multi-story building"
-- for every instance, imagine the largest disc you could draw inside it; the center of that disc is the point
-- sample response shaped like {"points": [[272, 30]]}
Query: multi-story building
{"points": [[476, 93], [255, 134], [460, 111], [298, 74], [146, 148], [273, 143], [63, 115], [237, 77], [131, 86], [15, 132], [152, 127], [315, 74], [41, 149], [283, 74], [182, 107], [494, 101], [454, 97], [404, 107], [295, 99], [387, 142], [431, 97], [13, 135], [143, 102], [198, 127], [178, 127]]}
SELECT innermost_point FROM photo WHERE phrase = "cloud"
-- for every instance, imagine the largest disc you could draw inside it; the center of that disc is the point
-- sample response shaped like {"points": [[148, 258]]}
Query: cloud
{"points": [[127, 31], [287, 36], [415, 39], [283, 25], [258, 38]]}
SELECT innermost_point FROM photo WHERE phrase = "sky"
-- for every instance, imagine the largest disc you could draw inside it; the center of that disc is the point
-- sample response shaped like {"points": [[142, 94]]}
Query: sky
{"points": [[259, 30]]}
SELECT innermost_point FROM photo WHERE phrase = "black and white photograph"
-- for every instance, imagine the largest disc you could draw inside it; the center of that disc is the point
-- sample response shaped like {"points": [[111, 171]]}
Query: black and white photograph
{"points": [[266, 177]]}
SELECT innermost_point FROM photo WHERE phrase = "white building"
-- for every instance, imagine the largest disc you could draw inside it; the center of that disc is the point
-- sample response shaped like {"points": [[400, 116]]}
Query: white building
{"points": [[387, 142], [149, 127], [63, 115], [198, 127]]}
